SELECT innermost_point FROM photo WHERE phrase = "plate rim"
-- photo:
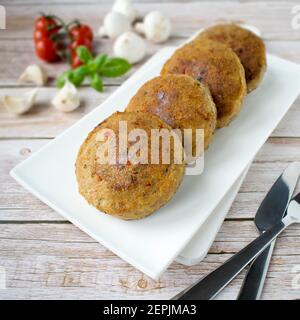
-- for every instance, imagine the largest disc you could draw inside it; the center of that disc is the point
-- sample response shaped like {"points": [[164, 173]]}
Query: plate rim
{"points": [[14, 173]]}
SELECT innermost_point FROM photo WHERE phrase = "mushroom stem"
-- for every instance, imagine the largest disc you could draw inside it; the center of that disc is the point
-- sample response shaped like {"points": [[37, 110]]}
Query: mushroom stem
{"points": [[139, 27]]}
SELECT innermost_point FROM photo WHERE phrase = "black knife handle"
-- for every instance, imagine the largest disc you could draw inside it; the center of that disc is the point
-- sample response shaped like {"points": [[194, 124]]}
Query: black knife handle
{"points": [[255, 277], [212, 284]]}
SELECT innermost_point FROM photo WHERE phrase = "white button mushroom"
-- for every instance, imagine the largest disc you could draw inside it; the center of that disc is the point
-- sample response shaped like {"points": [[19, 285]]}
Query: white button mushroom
{"points": [[34, 74], [20, 104], [67, 98], [114, 24], [125, 7], [156, 27], [130, 46]]}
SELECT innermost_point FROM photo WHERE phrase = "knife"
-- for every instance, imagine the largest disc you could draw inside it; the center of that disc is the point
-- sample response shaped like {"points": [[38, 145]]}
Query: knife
{"points": [[291, 174], [271, 210], [213, 283]]}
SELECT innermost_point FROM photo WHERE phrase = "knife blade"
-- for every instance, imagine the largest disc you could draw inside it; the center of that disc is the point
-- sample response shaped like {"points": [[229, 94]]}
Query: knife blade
{"points": [[271, 210], [284, 186], [212, 284]]}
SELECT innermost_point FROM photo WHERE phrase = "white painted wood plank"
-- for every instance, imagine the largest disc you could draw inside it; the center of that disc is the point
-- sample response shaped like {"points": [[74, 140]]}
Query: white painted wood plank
{"points": [[274, 18], [17, 54], [76, 2], [47, 261]]}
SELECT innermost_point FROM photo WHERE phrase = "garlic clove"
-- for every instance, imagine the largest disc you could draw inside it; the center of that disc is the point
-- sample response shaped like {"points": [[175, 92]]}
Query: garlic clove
{"points": [[125, 7], [130, 46], [20, 104], [114, 24], [67, 98], [156, 27], [34, 74]]}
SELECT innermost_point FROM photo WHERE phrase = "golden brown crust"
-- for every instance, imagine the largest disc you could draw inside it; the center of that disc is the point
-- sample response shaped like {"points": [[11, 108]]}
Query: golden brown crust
{"points": [[128, 191], [217, 66], [179, 100], [248, 47]]}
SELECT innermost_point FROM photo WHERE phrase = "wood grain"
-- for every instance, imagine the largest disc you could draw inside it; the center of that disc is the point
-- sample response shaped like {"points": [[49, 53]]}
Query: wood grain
{"points": [[47, 261], [45, 256], [274, 19], [75, 2], [23, 54]]}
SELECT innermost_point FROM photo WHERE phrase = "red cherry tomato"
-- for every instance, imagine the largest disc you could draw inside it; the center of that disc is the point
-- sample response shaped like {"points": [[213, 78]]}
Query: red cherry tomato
{"points": [[45, 23], [81, 42], [81, 31], [76, 62], [46, 26], [39, 34], [46, 50], [46, 46]]}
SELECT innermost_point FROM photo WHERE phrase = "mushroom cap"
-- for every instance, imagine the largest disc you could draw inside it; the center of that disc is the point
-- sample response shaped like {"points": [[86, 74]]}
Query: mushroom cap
{"points": [[125, 7], [157, 27], [115, 23], [130, 46]]}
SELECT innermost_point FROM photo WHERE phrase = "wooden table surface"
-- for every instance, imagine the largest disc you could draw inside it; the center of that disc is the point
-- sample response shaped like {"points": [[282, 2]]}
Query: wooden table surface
{"points": [[45, 256]]}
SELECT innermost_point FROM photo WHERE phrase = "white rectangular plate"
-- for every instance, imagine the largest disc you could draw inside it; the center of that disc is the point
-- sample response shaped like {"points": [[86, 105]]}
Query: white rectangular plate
{"points": [[151, 244], [197, 248]]}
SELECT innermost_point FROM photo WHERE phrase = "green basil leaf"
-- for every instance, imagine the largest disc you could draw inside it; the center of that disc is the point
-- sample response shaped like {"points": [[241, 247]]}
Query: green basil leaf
{"points": [[96, 64], [96, 82], [115, 67], [100, 60], [82, 71], [60, 81], [76, 78], [84, 54]]}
